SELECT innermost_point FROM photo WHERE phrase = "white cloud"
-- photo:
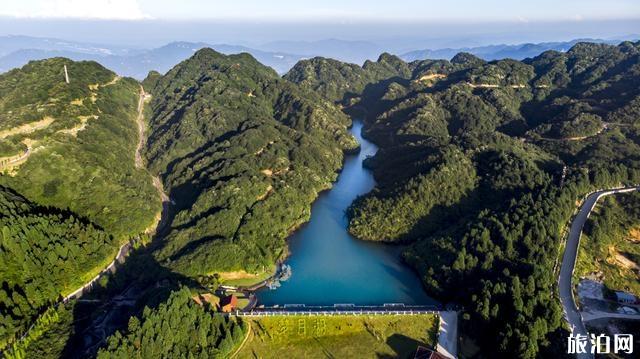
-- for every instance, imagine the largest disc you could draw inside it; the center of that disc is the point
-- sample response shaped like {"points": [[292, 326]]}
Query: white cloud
{"points": [[78, 9]]}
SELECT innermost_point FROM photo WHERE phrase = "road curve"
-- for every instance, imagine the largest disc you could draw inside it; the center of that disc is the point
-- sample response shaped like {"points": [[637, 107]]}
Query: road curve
{"points": [[569, 261], [122, 253]]}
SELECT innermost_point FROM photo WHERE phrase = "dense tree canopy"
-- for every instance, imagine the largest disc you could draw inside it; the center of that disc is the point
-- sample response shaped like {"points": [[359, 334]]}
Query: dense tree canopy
{"points": [[79, 139], [243, 154], [45, 253], [178, 328], [479, 168]]}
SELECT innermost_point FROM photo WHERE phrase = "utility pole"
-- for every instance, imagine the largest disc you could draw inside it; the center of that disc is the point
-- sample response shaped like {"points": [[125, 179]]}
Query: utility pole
{"points": [[66, 74]]}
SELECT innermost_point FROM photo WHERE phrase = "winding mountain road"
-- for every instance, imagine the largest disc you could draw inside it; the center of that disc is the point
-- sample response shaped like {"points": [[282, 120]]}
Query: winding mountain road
{"points": [[572, 314]]}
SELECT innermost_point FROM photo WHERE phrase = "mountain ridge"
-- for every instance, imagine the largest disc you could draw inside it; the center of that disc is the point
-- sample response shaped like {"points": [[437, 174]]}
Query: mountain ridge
{"points": [[502, 51], [240, 126]]}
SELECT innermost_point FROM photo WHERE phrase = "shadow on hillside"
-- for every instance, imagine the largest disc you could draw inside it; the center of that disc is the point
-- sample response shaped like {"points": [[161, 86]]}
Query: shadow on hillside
{"points": [[138, 283], [371, 101], [403, 346], [443, 217], [190, 247]]}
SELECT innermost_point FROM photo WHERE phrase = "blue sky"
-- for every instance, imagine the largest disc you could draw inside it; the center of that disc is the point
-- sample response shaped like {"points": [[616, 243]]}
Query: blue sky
{"points": [[328, 10]]}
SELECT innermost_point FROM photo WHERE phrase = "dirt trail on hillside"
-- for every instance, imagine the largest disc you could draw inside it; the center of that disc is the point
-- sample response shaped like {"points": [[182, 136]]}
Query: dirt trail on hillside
{"points": [[27, 128], [139, 163], [141, 135]]}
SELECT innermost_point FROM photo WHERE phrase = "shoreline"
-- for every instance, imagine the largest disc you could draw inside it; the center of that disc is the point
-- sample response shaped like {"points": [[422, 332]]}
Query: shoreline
{"points": [[398, 248], [253, 288]]}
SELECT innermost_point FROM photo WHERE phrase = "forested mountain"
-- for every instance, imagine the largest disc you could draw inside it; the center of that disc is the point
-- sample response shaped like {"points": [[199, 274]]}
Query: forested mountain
{"points": [[45, 253], [337, 80], [243, 154], [72, 145], [479, 169], [70, 193]]}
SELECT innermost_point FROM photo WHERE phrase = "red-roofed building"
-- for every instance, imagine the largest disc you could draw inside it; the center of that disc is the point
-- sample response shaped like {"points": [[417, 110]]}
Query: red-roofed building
{"points": [[426, 353], [229, 303]]}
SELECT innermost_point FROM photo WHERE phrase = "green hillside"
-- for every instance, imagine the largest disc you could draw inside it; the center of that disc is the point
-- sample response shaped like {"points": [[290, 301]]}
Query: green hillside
{"points": [[343, 82], [611, 237], [70, 193], [79, 140], [478, 172], [242, 154]]}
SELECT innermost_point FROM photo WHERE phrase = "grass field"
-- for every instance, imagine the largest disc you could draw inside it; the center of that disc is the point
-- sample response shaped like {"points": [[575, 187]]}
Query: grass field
{"points": [[339, 336], [245, 279]]}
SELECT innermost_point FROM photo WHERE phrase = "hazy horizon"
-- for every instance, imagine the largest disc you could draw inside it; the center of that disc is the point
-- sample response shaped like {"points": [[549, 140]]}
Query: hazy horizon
{"points": [[387, 35], [397, 26]]}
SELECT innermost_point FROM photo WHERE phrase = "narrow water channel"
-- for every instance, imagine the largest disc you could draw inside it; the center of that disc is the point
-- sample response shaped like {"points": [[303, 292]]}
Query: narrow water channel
{"points": [[329, 266]]}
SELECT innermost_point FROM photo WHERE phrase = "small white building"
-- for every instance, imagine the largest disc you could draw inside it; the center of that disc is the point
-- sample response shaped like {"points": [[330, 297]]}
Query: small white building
{"points": [[624, 297]]}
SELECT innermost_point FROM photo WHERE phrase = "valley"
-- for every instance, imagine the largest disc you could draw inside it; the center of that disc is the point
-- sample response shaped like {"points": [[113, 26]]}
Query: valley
{"points": [[331, 267], [389, 183]]}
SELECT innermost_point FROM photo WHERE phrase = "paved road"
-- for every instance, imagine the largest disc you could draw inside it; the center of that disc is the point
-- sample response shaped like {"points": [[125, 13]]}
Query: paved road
{"points": [[8, 163], [569, 261], [448, 334], [120, 257], [589, 316]]}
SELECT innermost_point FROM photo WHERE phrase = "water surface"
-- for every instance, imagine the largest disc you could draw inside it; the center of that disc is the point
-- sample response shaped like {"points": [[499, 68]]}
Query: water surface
{"points": [[329, 266]]}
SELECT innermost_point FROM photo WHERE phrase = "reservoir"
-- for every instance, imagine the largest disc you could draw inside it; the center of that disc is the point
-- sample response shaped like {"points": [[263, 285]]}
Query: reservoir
{"points": [[329, 266]]}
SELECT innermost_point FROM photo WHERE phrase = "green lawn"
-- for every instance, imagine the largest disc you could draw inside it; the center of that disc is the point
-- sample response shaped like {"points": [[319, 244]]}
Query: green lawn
{"points": [[359, 336], [259, 277]]}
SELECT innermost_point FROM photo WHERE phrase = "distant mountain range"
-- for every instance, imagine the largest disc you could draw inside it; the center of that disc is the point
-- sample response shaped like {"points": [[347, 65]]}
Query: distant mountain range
{"points": [[13, 43], [497, 52], [16, 51], [348, 51]]}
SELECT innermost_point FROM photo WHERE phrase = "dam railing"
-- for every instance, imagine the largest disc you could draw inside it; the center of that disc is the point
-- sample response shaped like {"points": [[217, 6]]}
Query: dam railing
{"points": [[339, 309]]}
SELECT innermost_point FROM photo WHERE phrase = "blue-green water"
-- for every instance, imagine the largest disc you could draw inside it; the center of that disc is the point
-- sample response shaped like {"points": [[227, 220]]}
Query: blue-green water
{"points": [[329, 266]]}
